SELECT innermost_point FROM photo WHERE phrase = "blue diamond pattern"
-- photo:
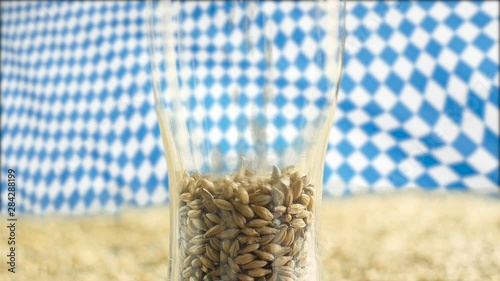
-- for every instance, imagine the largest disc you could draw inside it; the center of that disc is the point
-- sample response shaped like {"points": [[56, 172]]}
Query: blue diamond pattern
{"points": [[80, 108]]}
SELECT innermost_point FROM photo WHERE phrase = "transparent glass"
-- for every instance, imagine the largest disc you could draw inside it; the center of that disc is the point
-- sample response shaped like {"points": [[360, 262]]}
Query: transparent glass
{"points": [[245, 96]]}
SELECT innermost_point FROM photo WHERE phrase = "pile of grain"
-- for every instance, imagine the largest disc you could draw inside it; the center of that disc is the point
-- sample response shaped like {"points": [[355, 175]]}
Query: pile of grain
{"points": [[247, 227], [404, 237]]}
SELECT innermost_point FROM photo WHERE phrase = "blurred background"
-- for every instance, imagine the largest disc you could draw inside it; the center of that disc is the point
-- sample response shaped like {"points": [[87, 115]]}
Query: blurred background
{"points": [[418, 110], [418, 105]]}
